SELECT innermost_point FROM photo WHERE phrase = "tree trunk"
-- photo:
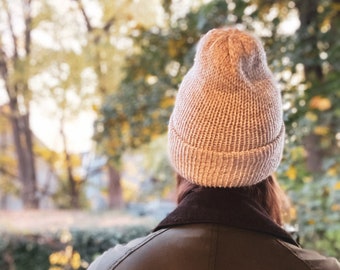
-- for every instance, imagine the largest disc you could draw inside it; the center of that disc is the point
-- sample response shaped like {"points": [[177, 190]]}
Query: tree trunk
{"points": [[74, 188], [73, 185], [314, 153], [115, 199], [23, 147], [313, 72], [17, 86]]}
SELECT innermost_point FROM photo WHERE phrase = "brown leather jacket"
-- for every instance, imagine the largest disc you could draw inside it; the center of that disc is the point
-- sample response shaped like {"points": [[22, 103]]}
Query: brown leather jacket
{"points": [[214, 229]]}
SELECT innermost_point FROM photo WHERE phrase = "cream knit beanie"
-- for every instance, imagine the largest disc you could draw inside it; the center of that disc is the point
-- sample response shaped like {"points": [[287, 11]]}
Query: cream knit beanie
{"points": [[226, 129]]}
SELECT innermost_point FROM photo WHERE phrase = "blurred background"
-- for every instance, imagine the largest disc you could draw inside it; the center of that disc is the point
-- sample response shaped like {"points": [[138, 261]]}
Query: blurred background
{"points": [[86, 90]]}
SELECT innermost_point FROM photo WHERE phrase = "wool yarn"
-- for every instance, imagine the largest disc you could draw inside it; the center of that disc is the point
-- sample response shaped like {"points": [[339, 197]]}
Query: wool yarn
{"points": [[226, 128]]}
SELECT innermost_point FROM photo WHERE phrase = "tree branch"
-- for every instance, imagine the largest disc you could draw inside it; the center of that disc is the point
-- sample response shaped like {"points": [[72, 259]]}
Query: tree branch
{"points": [[85, 16], [9, 20], [4, 71], [7, 172], [28, 24], [3, 65], [109, 24]]}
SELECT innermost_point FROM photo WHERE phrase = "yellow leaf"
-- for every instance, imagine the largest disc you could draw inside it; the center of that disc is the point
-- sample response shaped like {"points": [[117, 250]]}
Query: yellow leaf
{"points": [[337, 185], [95, 108], [125, 127], [167, 102], [311, 221], [307, 179], [336, 6], [75, 261], [58, 258], [55, 268], [335, 207], [77, 178], [291, 173], [321, 130], [311, 116], [155, 114], [332, 171], [320, 103], [298, 152], [172, 48], [292, 213], [54, 258]]}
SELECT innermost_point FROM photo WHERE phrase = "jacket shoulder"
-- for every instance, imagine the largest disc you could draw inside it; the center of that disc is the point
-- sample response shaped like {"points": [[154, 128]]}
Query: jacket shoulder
{"points": [[111, 258], [312, 259]]}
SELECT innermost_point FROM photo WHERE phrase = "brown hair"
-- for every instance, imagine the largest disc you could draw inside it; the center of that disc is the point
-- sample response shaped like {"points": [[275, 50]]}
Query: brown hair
{"points": [[267, 193]]}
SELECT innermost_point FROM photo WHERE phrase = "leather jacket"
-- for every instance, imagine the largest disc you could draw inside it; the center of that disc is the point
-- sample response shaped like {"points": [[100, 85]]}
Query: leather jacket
{"points": [[214, 229]]}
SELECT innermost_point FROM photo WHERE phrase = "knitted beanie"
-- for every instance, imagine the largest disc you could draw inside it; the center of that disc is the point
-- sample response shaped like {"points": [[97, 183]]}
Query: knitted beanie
{"points": [[226, 128]]}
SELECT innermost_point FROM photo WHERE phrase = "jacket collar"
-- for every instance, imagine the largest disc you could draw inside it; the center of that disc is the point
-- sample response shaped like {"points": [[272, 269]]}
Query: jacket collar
{"points": [[228, 207]]}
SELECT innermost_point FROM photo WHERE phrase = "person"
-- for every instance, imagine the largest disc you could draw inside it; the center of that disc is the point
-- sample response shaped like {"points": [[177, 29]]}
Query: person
{"points": [[225, 142]]}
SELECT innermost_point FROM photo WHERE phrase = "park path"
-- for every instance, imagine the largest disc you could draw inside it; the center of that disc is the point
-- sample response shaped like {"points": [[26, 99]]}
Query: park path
{"points": [[33, 221]]}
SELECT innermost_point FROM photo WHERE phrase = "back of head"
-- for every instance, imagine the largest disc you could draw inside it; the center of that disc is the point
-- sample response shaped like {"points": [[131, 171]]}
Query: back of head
{"points": [[226, 129]]}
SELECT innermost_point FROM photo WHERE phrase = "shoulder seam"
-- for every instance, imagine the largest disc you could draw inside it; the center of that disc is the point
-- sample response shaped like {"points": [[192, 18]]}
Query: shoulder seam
{"points": [[295, 254], [133, 249]]}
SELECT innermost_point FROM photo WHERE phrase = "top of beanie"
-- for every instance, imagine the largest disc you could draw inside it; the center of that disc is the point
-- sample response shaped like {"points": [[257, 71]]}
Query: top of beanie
{"points": [[226, 129]]}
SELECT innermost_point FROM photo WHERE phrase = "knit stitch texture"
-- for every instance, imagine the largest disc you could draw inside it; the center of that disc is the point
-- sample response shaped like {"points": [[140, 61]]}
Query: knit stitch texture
{"points": [[226, 129]]}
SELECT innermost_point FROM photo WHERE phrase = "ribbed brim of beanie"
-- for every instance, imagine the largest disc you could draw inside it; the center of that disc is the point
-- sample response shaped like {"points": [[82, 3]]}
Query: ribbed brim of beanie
{"points": [[226, 129]]}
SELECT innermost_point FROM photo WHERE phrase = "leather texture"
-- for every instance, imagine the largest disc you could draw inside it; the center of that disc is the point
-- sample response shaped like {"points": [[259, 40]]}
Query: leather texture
{"points": [[215, 229], [211, 247]]}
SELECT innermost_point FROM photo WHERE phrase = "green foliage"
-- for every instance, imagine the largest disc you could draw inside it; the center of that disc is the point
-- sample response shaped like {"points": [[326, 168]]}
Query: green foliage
{"points": [[62, 197], [23, 252], [312, 125], [303, 60], [73, 249], [156, 163], [318, 214]]}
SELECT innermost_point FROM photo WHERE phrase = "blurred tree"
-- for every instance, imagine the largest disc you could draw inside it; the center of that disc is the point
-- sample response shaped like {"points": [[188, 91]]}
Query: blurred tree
{"points": [[305, 61], [15, 63], [314, 124], [45, 69], [137, 112], [160, 183], [67, 84], [7, 159], [108, 41], [68, 87], [104, 58]]}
